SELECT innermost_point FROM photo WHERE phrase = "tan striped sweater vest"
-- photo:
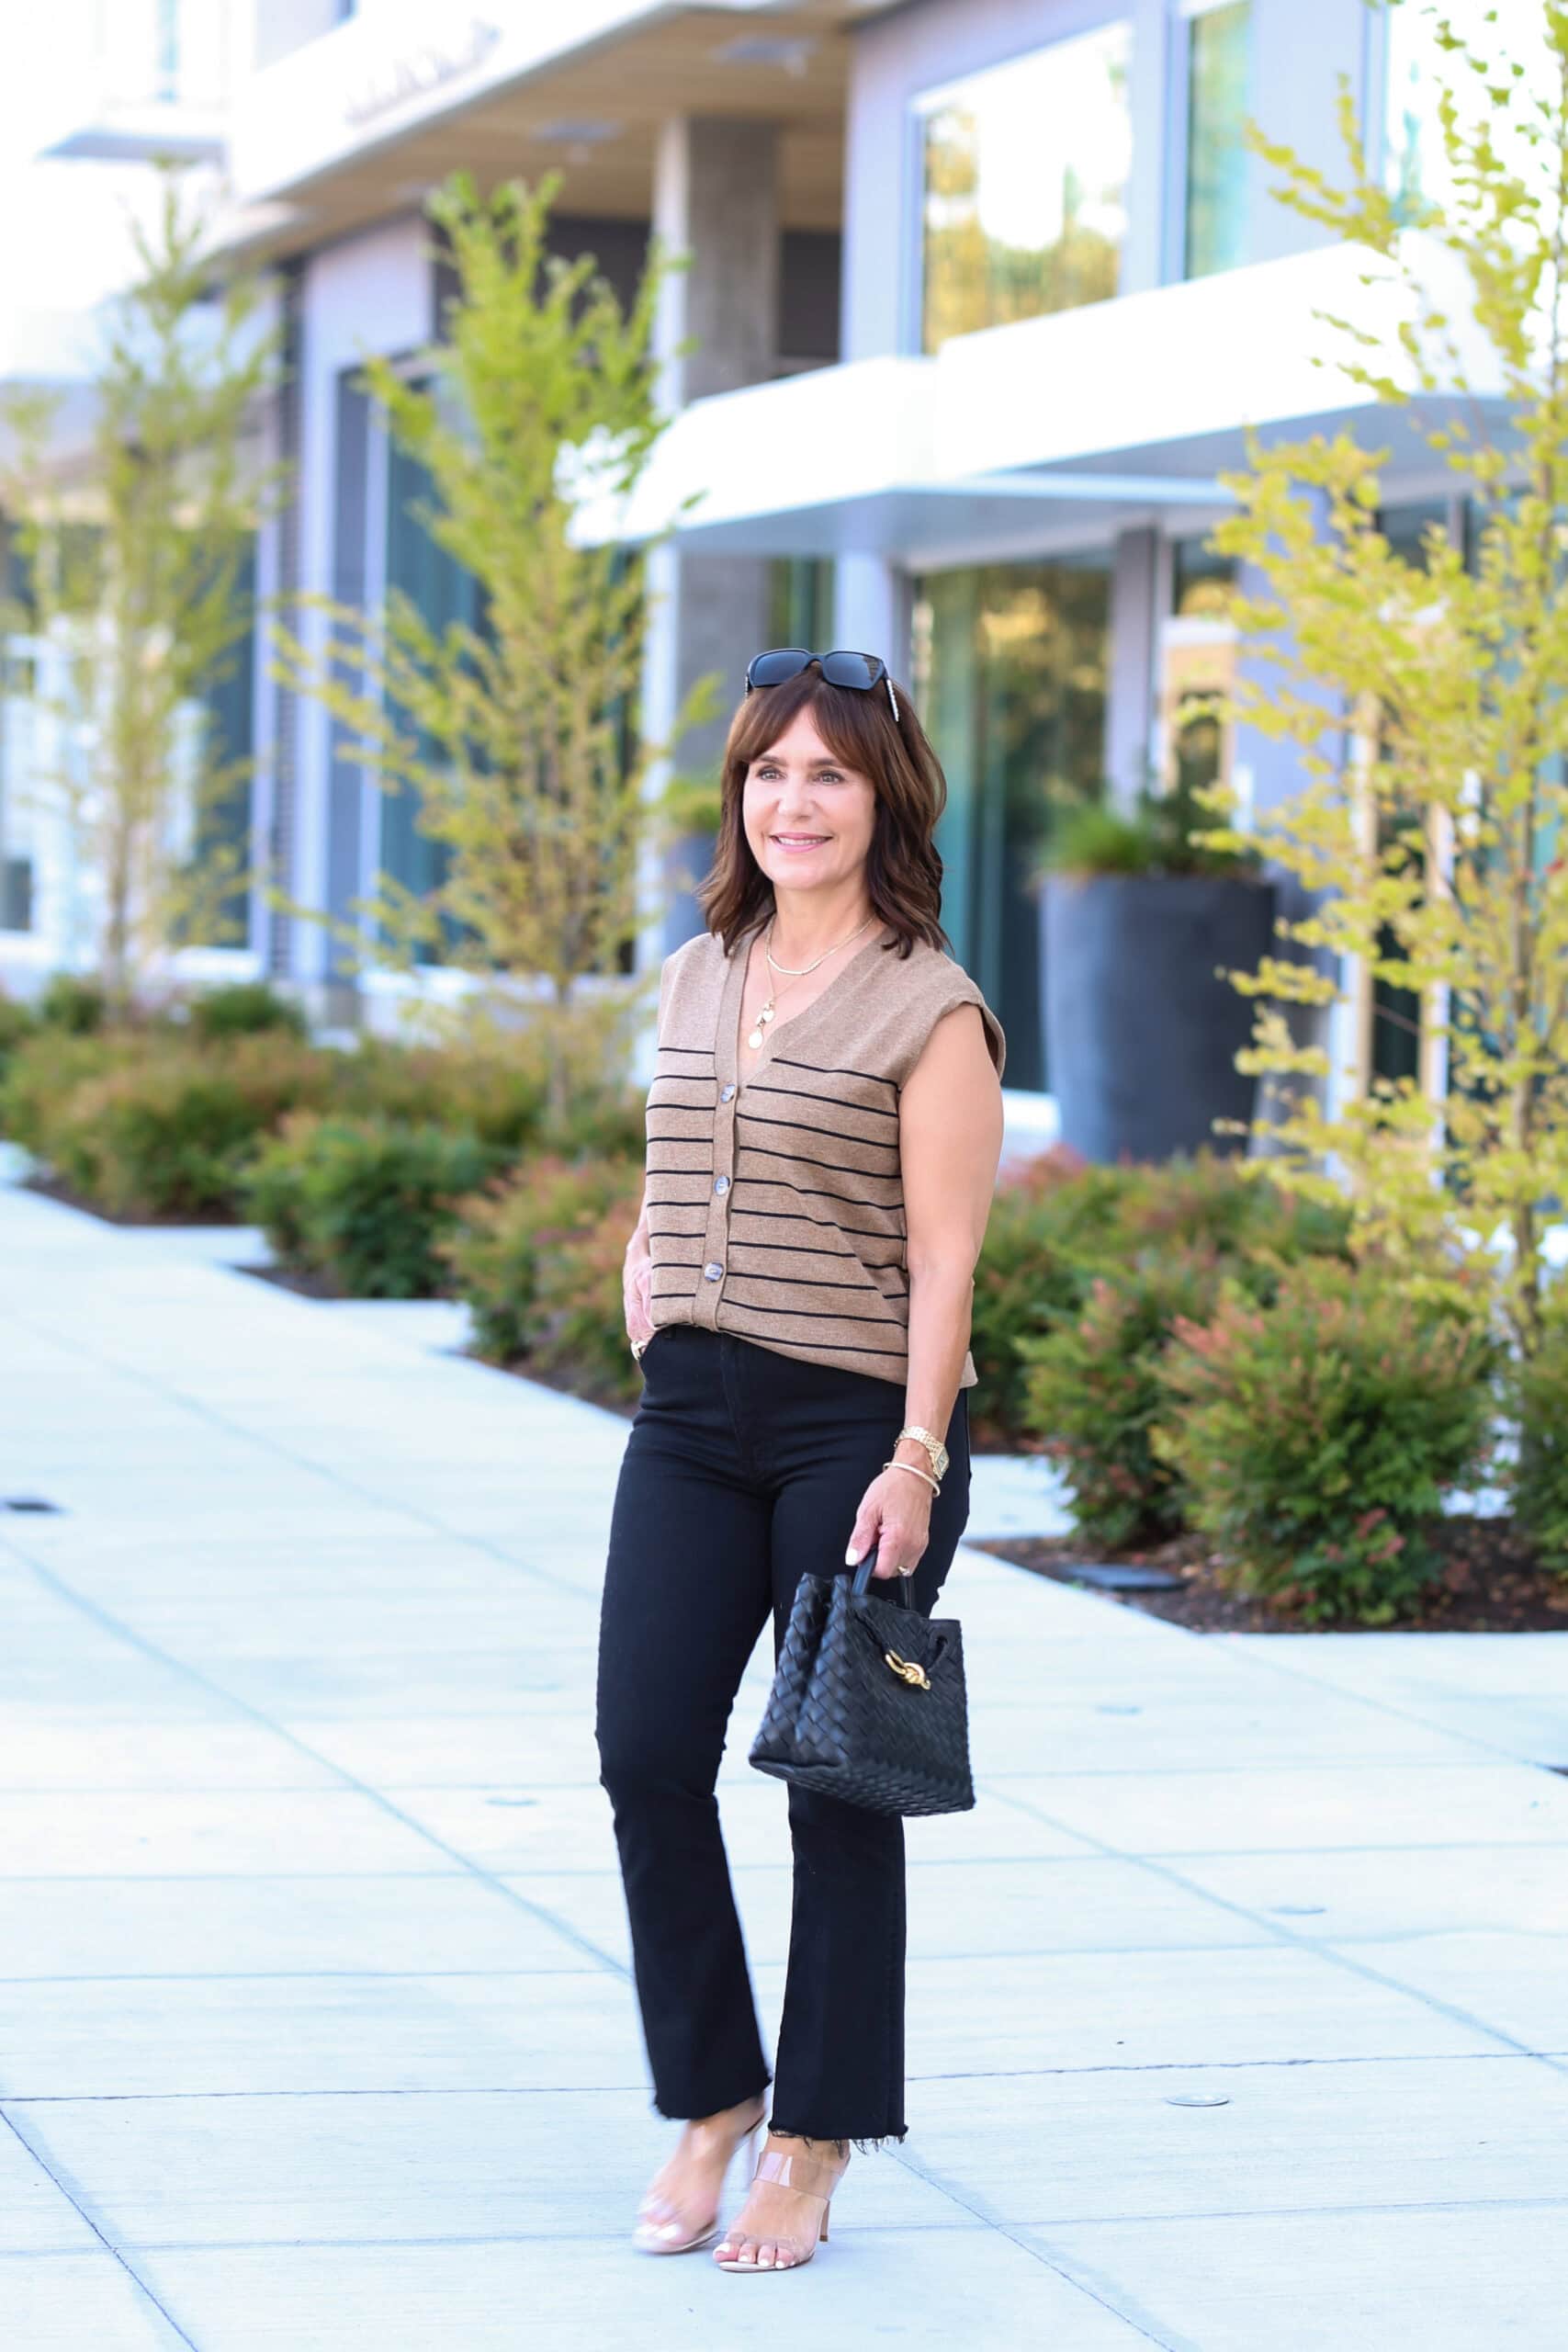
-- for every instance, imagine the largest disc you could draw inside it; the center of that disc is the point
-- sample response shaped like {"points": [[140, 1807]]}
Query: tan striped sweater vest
{"points": [[775, 1207]]}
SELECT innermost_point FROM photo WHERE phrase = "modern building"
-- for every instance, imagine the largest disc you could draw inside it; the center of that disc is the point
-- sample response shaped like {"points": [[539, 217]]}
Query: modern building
{"points": [[984, 295]]}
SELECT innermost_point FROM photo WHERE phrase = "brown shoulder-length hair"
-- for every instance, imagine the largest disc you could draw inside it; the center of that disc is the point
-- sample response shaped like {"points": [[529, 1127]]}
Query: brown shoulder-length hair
{"points": [[903, 870]]}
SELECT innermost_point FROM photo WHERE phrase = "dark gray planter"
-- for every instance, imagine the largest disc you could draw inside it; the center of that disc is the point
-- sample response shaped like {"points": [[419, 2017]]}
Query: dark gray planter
{"points": [[1141, 1031]]}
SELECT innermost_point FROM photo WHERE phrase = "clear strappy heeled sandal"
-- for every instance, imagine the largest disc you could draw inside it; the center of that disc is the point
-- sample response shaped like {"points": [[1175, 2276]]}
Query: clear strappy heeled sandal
{"points": [[793, 2165], [662, 2228]]}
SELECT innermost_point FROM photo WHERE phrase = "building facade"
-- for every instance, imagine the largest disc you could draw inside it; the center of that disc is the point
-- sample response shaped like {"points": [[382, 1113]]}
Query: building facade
{"points": [[981, 297]]}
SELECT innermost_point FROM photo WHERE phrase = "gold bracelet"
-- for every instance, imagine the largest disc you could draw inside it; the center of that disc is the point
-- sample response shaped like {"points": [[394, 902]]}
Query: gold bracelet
{"points": [[915, 1472]]}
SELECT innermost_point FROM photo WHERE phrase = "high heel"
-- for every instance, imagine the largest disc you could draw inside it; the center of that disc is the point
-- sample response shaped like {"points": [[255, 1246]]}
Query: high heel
{"points": [[658, 2232], [787, 2163]]}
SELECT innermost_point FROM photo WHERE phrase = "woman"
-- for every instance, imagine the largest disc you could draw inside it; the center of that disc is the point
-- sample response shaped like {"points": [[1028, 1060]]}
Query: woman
{"points": [[824, 1129]]}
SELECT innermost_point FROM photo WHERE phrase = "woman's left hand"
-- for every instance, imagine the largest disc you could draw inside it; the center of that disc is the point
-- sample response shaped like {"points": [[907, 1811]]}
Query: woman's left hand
{"points": [[895, 1515]]}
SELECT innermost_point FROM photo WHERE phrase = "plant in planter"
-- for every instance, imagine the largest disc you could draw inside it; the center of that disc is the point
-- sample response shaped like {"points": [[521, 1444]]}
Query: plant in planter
{"points": [[1143, 922]]}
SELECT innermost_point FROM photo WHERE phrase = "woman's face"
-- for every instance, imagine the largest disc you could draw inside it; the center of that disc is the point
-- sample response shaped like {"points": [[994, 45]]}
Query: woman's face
{"points": [[808, 818]]}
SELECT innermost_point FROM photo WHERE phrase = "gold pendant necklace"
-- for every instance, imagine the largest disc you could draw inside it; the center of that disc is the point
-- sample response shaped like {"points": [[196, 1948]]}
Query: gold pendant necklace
{"points": [[758, 1033]]}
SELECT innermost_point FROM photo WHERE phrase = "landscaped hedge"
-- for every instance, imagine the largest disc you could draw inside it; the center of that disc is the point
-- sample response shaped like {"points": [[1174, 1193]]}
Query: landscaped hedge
{"points": [[365, 1203], [540, 1260], [165, 1119], [1315, 1437], [1196, 1348], [164, 1131], [1060, 1228]]}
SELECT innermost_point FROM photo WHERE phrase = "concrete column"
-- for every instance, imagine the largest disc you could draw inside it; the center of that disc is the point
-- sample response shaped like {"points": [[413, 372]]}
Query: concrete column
{"points": [[871, 609], [714, 205]]}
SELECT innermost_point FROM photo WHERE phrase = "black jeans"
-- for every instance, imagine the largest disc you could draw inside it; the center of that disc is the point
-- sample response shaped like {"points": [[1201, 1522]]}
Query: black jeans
{"points": [[743, 1472]]}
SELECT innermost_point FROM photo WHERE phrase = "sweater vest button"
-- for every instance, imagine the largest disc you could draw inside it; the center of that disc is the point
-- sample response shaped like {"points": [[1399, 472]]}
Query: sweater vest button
{"points": [[726, 1093], [713, 1274], [721, 1183]]}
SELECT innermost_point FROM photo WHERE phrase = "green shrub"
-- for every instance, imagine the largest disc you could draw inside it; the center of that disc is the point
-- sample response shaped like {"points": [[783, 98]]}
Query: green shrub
{"points": [[1540, 1478], [42, 1071], [494, 1091], [1317, 1436], [365, 1202], [1092, 1389], [243, 1009], [1060, 1225], [1052, 1228], [581, 1304], [606, 1122], [73, 1002], [539, 1259], [168, 1133], [16, 1025]]}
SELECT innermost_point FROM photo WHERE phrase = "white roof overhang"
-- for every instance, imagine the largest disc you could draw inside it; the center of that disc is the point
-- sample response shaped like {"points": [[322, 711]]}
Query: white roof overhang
{"points": [[1052, 432]]}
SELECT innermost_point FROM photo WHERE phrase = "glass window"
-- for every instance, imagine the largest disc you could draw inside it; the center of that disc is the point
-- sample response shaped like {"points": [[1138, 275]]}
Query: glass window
{"points": [[800, 602], [442, 592], [166, 51], [1009, 668], [1197, 666], [1025, 185], [1218, 60], [223, 836], [1419, 66]]}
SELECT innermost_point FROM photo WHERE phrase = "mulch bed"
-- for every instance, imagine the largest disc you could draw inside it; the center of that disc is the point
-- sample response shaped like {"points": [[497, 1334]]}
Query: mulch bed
{"points": [[53, 1189], [1488, 1581], [303, 1285]]}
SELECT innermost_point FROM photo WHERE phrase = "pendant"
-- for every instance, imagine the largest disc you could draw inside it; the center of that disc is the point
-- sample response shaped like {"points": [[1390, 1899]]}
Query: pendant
{"points": [[755, 1039]]}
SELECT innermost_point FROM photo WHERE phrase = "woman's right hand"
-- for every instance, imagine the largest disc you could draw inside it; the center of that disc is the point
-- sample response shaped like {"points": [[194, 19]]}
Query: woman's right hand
{"points": [[637, 1288]]}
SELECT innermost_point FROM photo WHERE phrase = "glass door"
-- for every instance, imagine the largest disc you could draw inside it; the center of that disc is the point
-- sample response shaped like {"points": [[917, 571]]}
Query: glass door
{"points": [[1010, 671]]}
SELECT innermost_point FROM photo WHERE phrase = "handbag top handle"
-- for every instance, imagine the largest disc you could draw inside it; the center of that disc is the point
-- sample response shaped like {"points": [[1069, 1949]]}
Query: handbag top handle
{"points": [[861, 1584]]}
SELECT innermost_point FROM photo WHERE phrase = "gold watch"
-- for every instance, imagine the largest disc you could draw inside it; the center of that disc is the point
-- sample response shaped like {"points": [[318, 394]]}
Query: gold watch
{"points": [[935, 1450]]}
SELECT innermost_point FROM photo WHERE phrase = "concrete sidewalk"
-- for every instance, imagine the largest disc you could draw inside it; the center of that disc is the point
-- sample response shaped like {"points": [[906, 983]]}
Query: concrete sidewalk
{"points": [[316, 2025]]}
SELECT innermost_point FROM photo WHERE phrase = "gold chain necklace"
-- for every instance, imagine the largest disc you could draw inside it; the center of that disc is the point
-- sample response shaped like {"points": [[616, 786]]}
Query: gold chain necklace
{"points": [[758, 1030]]}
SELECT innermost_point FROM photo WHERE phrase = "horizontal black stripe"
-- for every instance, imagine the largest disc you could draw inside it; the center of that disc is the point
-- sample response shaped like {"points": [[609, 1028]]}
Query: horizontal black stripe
{"points": [[782, 1061], [806, 1282], [687, 1049], [805, 1095], [803, 1216], [813, 1192], [839, 1168], [807, 1314], [823, 1347], [801, 1249], [803, 1127]]}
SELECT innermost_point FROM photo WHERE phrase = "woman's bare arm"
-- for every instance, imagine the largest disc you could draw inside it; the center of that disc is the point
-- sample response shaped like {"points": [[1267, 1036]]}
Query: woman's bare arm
{"points": [[949, 1142]]}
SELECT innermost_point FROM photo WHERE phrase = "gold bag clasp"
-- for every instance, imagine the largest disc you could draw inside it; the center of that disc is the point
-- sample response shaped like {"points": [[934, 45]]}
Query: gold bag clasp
{"points": [[909, 1671]]}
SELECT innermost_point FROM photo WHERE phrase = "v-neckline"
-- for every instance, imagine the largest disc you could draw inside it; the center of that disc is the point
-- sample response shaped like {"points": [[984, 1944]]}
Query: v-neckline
{"points": [[735, 1002]]}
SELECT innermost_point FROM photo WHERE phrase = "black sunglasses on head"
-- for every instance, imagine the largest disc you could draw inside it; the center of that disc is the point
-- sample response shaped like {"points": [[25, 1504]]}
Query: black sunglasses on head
{"points": [[861, 671]]}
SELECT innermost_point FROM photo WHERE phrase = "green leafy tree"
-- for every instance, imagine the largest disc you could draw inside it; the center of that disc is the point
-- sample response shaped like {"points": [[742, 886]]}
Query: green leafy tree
{"points": [[137, 567], [1429, 700], [517, 730]]}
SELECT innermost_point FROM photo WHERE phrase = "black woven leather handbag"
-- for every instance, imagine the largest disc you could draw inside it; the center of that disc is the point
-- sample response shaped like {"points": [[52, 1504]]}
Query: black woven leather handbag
{"points": [[868, 1701]]}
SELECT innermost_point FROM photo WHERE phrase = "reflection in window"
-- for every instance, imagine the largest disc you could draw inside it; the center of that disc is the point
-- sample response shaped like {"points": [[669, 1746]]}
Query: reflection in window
{"points": [[1197, 669], [441, 591], [800, 603], [1219, 47], [1419, 67], [1025, 185], [1010, 670]]}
